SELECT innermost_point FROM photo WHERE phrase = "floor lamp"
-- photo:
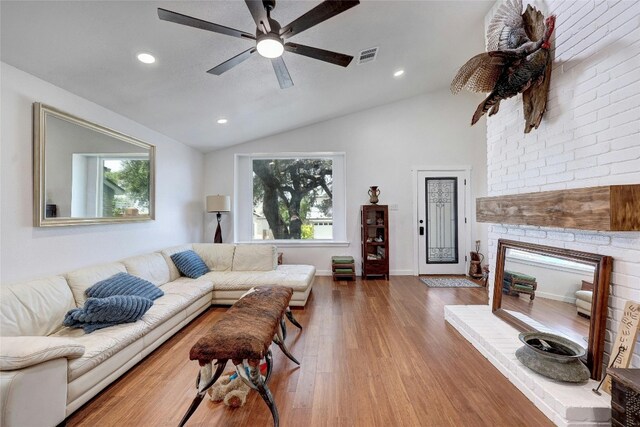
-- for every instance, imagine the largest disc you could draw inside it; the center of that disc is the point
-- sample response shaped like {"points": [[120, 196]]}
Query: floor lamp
{"points": [[218, 204]]}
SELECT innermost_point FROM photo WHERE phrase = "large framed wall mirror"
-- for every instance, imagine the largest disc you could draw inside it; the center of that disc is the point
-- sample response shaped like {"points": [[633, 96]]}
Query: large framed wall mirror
{"points": [[85, 173], [561, 291]]}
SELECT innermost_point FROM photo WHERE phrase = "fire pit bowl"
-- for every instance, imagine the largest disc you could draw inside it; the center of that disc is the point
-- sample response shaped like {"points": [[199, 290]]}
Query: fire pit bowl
{"points": [[553, 356]]}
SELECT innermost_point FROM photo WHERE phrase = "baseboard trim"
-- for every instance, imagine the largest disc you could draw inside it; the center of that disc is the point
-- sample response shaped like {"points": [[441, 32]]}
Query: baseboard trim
{"points": [[391, 272]]}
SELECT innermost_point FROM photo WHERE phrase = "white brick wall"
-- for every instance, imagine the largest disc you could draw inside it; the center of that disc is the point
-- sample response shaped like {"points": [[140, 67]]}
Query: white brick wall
{"points": [[589, 136]]}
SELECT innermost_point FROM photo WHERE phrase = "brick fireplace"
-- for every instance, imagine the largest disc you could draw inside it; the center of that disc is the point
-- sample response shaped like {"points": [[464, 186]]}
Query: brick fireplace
{"points": [[589, 136]]}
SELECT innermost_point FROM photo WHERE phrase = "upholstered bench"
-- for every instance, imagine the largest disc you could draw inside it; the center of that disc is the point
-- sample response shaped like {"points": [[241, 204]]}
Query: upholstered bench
{"points": [[244, 335]]}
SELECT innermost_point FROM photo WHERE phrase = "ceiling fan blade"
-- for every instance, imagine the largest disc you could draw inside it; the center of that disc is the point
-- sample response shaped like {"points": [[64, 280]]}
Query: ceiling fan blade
{"points": [[259, 14], [321, 54], [230, 63], [178, 18], [325, 10], [284, 78]]}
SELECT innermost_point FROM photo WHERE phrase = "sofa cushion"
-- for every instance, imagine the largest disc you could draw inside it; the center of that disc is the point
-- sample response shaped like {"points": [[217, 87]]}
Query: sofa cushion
{"points": [[255, 258], [99, 313], [81, 280], [152, 267], [189, 264], [192, 289], [101, 345], [217, 256], [124, 284], [34, 308], [297, 277], [166, 253], [164, 309]]}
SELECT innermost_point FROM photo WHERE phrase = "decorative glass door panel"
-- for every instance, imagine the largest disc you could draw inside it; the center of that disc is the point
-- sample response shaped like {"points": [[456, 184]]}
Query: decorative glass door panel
{"points": [[442, 220], [443, 234]]}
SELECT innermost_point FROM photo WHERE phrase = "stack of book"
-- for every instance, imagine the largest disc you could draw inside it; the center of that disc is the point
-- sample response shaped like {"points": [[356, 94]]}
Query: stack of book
{"points": [[343, 267]]}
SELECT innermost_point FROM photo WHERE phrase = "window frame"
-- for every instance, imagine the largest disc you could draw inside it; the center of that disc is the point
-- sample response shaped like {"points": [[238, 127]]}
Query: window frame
{"points": [[243, 199]]}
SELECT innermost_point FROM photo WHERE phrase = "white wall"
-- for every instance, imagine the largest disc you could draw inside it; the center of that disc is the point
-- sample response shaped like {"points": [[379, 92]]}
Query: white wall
{"points": [[381, 146], [28, 252], [553, 282], [589, 136]]}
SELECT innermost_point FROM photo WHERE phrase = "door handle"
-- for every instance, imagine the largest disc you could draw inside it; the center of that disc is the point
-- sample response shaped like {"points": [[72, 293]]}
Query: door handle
{"points": [[421, 231]]}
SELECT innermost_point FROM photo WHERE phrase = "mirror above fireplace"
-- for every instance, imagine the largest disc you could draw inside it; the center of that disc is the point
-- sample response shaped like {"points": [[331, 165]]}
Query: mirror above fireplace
{"points": [[547, 289]]}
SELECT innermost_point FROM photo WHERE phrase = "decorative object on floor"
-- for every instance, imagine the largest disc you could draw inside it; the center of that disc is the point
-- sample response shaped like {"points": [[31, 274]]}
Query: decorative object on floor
{"points": [[244, 335], [374, 192], [553, 356], [528, 258], [475, 265], [269, 35], [625, 338], [517, 61], [218, 204], [343, 267], [448, 282], [232, 391]]}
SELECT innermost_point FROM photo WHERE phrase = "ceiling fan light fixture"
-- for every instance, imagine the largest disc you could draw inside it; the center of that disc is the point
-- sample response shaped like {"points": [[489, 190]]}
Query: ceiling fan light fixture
{"points": [[270, 46]]}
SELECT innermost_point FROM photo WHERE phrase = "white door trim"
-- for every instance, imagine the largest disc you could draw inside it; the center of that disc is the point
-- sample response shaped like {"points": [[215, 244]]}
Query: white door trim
{"points": [[467, 207]]}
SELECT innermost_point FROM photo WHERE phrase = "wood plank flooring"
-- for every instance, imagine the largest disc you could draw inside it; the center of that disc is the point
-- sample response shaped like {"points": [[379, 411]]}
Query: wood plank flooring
{"points": [[373, 353]]}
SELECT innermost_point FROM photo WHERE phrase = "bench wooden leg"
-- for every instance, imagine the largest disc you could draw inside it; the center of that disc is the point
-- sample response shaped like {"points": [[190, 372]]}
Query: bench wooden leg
{"points": [[254, 381], [280, 342], [292, 319], [203, 383]]}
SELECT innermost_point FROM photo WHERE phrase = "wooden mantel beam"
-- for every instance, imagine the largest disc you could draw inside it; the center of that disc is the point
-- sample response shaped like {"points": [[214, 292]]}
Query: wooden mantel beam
{"points": [[608, 208]]}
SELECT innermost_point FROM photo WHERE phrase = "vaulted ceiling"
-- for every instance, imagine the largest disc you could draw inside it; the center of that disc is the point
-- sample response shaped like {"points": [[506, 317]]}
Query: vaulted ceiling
{"points": [[90, 48]]}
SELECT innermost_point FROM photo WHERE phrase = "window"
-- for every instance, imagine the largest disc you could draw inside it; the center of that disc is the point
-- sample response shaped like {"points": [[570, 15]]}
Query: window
{"points": [[290, 198], [107, 185], [548, 261]]}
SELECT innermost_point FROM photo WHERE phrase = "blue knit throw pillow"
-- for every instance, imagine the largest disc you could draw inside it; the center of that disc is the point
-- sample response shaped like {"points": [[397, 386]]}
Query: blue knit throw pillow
{"points": [[124, 284], [98, 313], [189, 264]]}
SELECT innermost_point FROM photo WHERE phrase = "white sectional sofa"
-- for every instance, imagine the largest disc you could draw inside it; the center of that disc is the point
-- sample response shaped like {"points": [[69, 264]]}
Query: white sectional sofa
{"points": [[47, 371]]}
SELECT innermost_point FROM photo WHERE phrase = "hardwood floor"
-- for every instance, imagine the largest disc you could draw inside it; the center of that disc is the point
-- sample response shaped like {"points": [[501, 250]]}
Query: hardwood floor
{"points": [[373, 353], [558, 315]]}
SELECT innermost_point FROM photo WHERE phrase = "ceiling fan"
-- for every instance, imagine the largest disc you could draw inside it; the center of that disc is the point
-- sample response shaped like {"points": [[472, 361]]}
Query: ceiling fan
{"points": [[270, 36]]}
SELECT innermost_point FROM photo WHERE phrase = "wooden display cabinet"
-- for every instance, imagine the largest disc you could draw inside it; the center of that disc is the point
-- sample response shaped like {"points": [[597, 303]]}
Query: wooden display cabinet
{"points": [[374, 234]]}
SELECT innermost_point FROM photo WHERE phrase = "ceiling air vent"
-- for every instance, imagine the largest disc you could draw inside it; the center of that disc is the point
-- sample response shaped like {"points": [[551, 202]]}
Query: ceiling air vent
{"points": [[368, 55]]}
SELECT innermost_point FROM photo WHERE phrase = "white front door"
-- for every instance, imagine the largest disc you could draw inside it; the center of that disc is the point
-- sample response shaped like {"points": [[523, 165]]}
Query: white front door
{"points": [[442, 229]]}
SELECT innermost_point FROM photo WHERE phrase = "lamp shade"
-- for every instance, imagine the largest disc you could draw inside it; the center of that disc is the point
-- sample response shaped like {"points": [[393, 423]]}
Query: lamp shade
{"points": [[218, 203]]}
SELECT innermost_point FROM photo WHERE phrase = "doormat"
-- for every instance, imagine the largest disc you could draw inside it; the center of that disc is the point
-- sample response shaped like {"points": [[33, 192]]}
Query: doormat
{"points": [[449, 282]]}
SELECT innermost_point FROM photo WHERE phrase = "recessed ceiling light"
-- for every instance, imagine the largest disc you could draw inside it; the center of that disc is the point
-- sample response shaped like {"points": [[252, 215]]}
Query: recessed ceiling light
{"points": [[222, 121], [398, 73], [146, 58]]}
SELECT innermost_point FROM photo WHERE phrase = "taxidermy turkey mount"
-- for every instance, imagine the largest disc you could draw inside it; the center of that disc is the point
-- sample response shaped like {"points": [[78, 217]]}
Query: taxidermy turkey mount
{"points": [[270, 36], [517, 61]]}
